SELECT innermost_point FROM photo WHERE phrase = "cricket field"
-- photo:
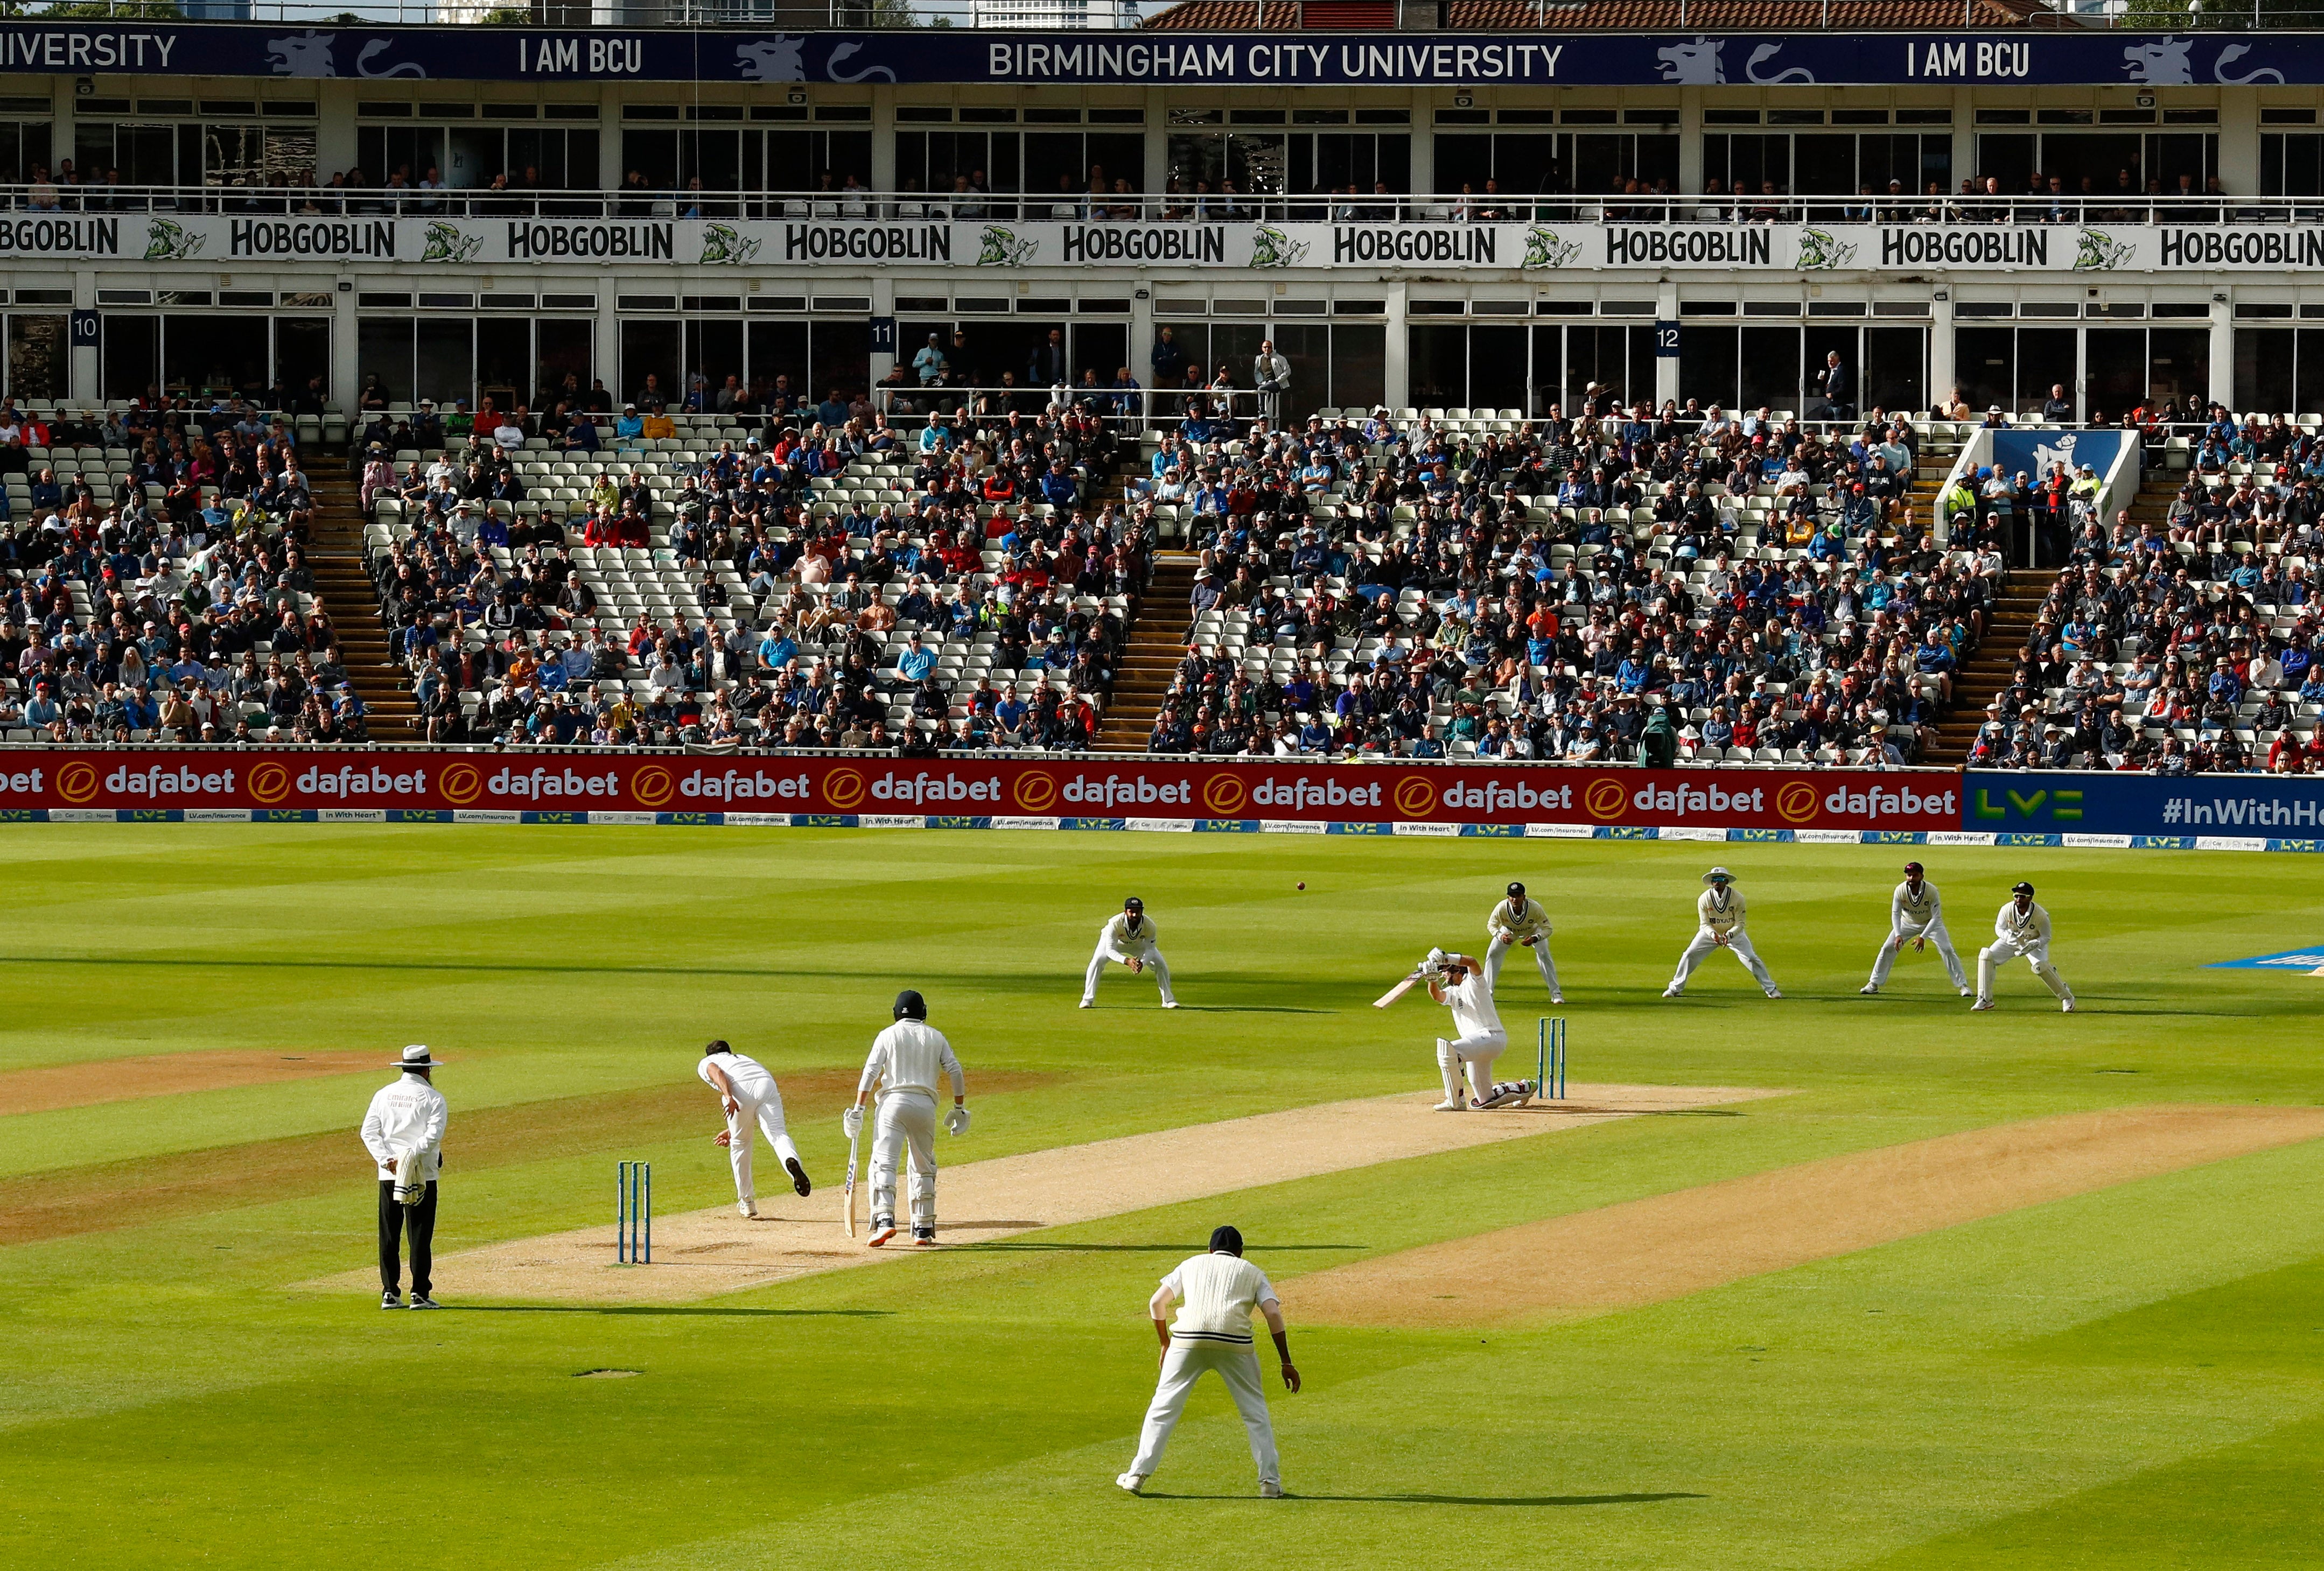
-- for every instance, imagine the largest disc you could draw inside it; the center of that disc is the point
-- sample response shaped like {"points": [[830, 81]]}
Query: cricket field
{"points": [[1848, 1282]]}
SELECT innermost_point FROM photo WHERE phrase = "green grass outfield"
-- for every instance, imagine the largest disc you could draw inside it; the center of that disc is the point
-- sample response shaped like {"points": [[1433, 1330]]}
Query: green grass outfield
{"points": [[2133, 1378]]}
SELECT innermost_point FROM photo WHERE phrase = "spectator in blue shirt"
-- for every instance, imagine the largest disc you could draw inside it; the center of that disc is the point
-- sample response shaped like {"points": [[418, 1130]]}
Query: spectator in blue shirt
{"points": [[928, 364], [777, 648], [917, 661], [1307, 559], [2224, 685]]}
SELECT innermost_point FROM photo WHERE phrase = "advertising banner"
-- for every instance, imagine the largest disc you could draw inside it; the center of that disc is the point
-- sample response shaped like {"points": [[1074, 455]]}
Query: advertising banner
{"points": [[466, 232], [2203, 808], [2031, 451], [136, 46], [1387, 795]]}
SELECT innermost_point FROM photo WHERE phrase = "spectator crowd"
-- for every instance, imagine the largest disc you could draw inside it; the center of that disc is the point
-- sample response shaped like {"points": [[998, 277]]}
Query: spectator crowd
{"points": [[1635, 584], [1619, 583], [822, 579], [153, 578]]}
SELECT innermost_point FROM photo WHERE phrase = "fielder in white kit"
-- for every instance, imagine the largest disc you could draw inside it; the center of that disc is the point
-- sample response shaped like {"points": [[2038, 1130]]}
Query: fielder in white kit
{"points": [[1458, 982], [908, 1057], [2021, 931], [1518, 920], [1718, 914], [1128, 939], [1221, 1289], [1916, 916], [747, 1092]]}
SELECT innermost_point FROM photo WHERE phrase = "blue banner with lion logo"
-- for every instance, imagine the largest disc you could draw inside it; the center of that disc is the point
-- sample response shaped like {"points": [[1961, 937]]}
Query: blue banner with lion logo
{"points": [[135, 46]]}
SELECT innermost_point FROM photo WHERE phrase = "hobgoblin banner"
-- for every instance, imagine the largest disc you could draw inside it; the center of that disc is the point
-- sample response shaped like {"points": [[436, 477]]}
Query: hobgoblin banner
{"points": [[985, 786]]}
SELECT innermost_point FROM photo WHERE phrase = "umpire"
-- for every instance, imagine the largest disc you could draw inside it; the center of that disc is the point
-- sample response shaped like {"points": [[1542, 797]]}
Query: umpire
{"points": [[404, 1132]]}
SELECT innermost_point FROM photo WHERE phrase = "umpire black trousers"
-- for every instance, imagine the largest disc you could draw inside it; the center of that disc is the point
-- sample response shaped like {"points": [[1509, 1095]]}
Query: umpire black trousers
{"points": [[395, 1219]]}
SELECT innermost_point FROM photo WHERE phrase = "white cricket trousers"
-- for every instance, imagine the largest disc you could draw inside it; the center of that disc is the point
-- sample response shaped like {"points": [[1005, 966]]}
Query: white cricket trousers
{"points": [[1237, 1364], [2002, 951], [1149, 954], [1478, 1051], [905, 1119], [769, 1117], [1498, 952], [1705, 943], [1894, 945]]}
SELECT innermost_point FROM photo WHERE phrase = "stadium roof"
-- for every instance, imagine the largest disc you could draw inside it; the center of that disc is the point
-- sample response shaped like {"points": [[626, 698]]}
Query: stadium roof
{"points": [[1612, 15]]}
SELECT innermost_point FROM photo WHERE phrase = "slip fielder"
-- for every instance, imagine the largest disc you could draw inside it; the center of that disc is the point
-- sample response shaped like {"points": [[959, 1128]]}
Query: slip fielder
{"points": [[1718, 914], [2021, 930], [1916, 915], [1519, 921], [747, 1093], [905, 1062], [1458, 982], [1127, 939]]}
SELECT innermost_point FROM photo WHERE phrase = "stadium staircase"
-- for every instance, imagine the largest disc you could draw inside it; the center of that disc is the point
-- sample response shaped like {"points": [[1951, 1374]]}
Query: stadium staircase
{"points": [[347, 588], [2018, 602], [2015, 603], [1149, 659]]}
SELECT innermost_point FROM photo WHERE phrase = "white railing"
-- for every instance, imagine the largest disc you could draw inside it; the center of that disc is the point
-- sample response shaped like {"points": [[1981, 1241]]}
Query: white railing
{"points": [[846, 204]]}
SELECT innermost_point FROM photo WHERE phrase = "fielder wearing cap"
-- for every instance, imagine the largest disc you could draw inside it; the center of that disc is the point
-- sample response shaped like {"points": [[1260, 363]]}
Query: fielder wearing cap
{"points": [[1718, 914], [904, 1065], [1129, 939], [2021, 931], [747, 1093], [404, 1132], [1518, 920], [1915, 916], [1221, 1291]]}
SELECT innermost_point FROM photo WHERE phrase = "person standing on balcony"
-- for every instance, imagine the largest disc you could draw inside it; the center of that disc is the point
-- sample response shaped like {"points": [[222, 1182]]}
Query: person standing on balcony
{"points": [[1838, 390], [1168, 360], [1271, 372]]}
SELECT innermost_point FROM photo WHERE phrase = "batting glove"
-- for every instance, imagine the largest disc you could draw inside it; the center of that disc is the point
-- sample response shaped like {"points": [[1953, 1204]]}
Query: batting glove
{"points": [[852, 1121], [956, 1121]]}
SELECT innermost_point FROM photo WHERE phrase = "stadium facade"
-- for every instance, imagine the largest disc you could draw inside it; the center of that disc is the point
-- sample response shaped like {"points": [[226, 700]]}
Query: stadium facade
{"points": [[1417, 211]]}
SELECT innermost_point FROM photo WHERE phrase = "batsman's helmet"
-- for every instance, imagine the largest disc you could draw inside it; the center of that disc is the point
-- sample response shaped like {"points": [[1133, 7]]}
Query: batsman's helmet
{"points": [[911, 1005], [1517, 891], [1227, 1241]]}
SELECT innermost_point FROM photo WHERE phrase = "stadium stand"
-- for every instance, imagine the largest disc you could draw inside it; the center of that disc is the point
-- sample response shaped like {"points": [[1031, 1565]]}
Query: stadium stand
{"points": [[370, 485], [1680, 583], [804, 586], [1467, 582]]}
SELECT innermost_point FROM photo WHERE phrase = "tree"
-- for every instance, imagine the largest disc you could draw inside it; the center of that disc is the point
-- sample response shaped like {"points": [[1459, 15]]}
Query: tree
{"points": [[134, 10]]}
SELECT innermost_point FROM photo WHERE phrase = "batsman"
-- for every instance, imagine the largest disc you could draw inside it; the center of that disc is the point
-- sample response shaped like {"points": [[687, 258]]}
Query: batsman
{"points": [[1458, 982], [904, 1065]]}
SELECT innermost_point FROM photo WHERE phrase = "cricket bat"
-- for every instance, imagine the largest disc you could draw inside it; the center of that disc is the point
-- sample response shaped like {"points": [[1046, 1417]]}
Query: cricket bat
{"points": [[1399, 991], [847, 1202]]}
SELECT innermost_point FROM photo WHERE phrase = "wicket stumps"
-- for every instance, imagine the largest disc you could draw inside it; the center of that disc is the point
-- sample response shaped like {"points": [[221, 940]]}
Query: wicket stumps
{"points": [[1549, 1057], [633, 1213]]}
